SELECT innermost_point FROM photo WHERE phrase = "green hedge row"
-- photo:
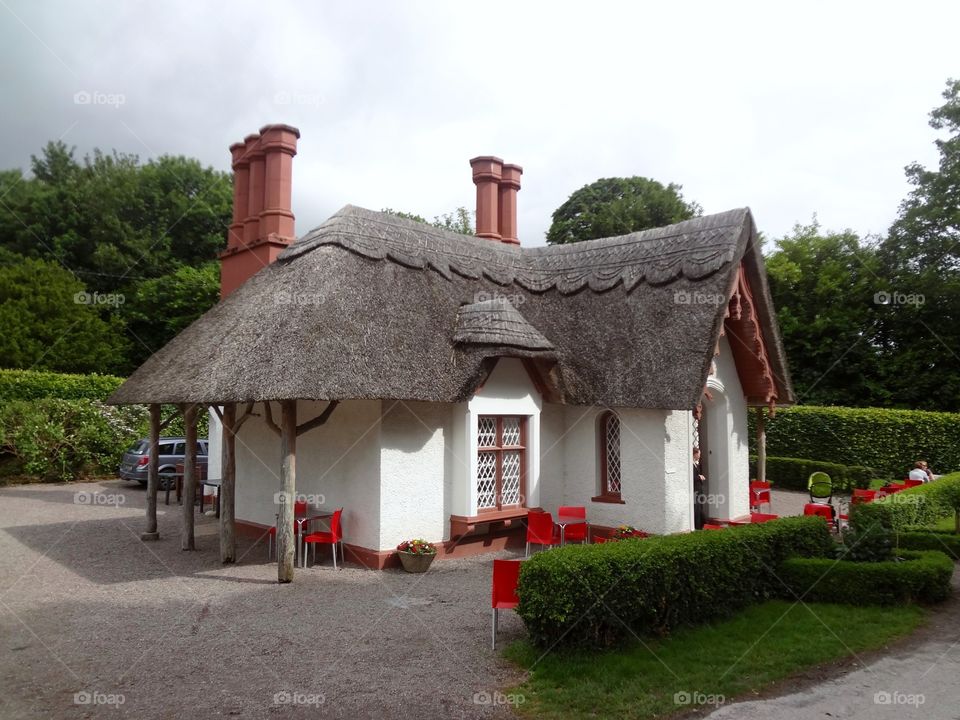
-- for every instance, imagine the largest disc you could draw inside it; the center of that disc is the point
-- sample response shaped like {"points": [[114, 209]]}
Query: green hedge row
{"points": [[37, 385], [649, 586], [889, 440], [792, 473], [914, 508], [948, 543], [921, 576]]}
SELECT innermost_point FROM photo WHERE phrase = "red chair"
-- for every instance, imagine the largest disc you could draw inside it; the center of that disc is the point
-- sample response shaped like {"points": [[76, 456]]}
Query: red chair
{"points": [[577, 532], [863, 496], [710, 526], [299, 512], [541, 530], [331, 537], [824, 511], [759, 494], [891, 488], [506, 573], [908, 483], [762, 517]]}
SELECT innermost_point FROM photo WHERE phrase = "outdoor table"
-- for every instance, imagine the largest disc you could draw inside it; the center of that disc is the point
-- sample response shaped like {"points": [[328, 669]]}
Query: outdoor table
{"points": [[214, 483], [564, 520]]}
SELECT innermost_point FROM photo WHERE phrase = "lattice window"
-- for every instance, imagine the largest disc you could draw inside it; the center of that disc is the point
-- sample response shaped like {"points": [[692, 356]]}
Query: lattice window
{"points": [[610, 475], [500, 462]]}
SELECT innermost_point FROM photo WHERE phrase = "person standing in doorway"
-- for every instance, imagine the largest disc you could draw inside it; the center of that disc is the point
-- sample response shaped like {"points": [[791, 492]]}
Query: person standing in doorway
{"points": [[699, 498]]}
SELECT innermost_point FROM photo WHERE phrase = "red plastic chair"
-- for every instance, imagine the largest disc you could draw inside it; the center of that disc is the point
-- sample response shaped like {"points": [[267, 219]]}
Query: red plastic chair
{"points": [[506, 573], [577, 532], [299, 511], [762, 517], [891, 488], [331, 537], [541, 530], [710, 526], [912, 483], [824, 511], [759, 494], [863, 496]]}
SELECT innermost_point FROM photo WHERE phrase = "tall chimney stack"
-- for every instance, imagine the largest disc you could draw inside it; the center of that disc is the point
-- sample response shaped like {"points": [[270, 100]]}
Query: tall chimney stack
{"points": [[497, 187], [263, 221]]}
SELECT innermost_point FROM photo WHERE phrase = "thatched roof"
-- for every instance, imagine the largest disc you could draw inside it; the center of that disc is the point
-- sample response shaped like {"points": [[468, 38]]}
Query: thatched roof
{"points": [[369, 305]]}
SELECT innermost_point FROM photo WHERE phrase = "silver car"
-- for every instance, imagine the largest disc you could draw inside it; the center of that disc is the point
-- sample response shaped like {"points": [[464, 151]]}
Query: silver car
{"points": [[172, 452]]}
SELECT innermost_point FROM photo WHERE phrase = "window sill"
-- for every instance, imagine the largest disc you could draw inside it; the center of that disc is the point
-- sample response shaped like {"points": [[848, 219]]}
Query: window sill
{"points": [[613, 499]]}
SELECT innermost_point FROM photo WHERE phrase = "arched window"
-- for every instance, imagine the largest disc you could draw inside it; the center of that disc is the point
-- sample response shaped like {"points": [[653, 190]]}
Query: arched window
{"points": [[609, 447]]}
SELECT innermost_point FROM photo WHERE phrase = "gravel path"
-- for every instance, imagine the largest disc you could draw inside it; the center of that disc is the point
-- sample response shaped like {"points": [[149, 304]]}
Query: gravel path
{"points": [[90, 617]]}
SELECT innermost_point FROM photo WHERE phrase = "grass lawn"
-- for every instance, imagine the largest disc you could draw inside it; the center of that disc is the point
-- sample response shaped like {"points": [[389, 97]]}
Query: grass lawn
{"points": [[729, 658]]}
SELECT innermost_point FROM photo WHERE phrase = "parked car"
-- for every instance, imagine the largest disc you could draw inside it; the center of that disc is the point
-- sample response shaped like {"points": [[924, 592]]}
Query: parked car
{"points": [[172, 452]]}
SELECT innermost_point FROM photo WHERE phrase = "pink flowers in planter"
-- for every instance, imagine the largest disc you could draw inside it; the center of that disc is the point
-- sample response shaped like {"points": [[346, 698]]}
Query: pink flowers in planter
{"points": [[417, 547], [624, 532]]}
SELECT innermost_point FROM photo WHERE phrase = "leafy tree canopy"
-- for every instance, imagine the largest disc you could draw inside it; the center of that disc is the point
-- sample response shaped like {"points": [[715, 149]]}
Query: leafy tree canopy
{"points": [[617, 206], [458, 221]]}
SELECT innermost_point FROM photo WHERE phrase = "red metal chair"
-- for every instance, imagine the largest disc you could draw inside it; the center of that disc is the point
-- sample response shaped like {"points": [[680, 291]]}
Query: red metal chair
{"points": [[299, 511], [762, 517], [331, 537], [710, 526], [541, 530], [759, 494], [506, 573], [577, 532]]}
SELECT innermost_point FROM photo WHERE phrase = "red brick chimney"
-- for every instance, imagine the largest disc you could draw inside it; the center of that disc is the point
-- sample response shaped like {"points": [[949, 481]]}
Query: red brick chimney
{"points": [[497, 187], [263, 222]]}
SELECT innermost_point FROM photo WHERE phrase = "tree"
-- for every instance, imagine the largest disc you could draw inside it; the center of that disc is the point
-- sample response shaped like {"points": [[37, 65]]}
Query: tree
{"points": [[824, 286], [458, 221], [617, 206], [50, 322], [920, 337]]}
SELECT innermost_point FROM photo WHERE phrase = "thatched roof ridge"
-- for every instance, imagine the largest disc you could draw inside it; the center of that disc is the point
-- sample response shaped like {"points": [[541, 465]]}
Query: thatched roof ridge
{"points": [[369, 305]]}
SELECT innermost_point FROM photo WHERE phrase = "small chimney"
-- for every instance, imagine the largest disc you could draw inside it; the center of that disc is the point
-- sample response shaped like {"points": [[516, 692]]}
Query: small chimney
{"points": [[497, 188], [263, 222]]}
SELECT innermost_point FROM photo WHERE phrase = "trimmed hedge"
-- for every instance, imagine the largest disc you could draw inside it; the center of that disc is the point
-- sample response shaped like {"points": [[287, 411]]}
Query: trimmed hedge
{"points": [[922, 576], [889, 440], [37, 385], [793, 473], [913, 508], [594, 595], [947, 543]]}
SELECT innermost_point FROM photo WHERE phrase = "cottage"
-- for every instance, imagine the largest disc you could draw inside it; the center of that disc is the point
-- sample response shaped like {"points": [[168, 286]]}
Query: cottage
{"points": [[439, 385]]}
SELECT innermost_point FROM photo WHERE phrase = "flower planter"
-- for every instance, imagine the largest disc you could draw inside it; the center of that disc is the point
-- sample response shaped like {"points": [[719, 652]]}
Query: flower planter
{"points": [[414, 562]]}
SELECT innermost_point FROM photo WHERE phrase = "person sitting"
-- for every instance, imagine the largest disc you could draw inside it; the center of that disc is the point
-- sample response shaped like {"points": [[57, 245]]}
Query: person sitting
{"points": [[920, 472]]}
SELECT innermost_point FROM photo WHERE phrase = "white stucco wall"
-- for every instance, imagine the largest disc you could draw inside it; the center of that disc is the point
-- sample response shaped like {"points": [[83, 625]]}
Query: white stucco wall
{"points": [[339, 461], [552, 460], [728, 460], [214, 445], [415, 472]]}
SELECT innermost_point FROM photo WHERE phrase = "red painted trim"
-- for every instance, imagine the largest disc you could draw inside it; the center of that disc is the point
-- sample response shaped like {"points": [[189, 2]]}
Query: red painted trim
{"points": [[615, 499]]}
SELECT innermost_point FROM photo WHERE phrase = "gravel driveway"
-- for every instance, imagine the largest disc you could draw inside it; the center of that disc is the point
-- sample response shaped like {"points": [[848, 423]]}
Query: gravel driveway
{"points": [[94, 623]]}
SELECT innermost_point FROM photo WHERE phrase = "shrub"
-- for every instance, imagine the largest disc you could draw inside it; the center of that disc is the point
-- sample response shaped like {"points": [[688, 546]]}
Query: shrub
{"points": [[889, 440], [595, 595], [793, 473], [67, 439], [947, 543], [921, 576], [37, 385], [866, 541], [912, 508]]}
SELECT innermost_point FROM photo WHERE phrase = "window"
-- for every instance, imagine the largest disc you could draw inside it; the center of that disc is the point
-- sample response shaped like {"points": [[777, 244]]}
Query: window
{"points": [[180, 449], [501, 462], [609, 446]]}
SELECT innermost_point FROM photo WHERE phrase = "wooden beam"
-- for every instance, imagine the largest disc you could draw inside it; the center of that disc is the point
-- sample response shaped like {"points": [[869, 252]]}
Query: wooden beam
{"points": [[761, 447], [247, 414], [170, 419], [153, 475], [319, 419], [228, 476], [286, 548], [268, 417], [189, 475]]}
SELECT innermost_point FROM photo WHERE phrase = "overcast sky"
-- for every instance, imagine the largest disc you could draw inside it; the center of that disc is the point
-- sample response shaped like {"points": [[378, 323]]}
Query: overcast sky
{"points": [[790, 109]]}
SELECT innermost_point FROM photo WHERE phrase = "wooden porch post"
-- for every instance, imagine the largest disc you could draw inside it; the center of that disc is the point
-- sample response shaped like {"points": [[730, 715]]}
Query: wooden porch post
{"points": [[228, 476], [189, 475], [761, 447], [153, 475], [286, 548]]}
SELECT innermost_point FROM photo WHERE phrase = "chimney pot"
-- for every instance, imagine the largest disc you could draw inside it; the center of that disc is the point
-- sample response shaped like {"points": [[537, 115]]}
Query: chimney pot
{"points": [[507, 212], [279, 144], [486, 176]]}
